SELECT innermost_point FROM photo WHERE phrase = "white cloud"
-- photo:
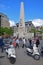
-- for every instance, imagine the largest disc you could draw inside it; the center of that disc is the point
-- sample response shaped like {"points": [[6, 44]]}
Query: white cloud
{"points": [[37, 22], [12, 23]]}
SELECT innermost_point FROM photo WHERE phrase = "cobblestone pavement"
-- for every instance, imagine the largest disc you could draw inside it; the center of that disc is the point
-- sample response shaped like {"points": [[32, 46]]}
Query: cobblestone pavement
{"points": [[22, 58]]}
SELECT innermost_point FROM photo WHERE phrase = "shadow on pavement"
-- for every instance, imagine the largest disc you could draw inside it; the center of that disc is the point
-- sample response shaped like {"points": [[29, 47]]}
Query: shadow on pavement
{"points": [[2, 56]]}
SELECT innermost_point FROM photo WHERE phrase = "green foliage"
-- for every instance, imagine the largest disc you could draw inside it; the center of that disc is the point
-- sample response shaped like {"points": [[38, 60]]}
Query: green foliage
{"points": [[1, 31], [35, 31], [41, 29], [6, 31]]}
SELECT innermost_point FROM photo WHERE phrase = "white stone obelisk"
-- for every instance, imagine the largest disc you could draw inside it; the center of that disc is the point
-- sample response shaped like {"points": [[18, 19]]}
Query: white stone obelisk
{"points": [[21, 21]]}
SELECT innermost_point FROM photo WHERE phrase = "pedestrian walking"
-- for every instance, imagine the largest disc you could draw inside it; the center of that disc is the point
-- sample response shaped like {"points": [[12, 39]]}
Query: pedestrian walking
{"points": [[1, 43], [30, 41], [36, 41], [24, 43], [14, 42], [17, 42]]}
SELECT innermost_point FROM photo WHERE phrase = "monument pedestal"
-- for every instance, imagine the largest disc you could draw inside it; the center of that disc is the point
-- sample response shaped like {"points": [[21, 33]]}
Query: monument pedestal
{"points": [[21, 32]]}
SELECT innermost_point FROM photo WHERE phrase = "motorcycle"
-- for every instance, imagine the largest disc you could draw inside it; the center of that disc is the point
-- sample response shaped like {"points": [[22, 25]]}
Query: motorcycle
{"points": [[33, 51], [11, 54]]}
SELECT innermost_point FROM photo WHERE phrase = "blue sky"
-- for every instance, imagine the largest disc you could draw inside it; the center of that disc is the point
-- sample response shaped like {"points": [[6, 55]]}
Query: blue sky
{"points": [[33, 9]]}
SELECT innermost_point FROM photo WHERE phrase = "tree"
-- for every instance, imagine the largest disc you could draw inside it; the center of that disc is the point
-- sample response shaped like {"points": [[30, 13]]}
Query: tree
{"points": [[33, 30], [41, 29], [1, 30], [6, 31]]}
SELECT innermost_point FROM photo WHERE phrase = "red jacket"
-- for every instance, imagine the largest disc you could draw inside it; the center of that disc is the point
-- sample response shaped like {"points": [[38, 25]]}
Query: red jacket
{"points": [[14, 43]]}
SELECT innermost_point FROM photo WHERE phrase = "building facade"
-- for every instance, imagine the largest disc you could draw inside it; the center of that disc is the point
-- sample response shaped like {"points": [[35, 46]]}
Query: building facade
{"points": [[4, 21]]}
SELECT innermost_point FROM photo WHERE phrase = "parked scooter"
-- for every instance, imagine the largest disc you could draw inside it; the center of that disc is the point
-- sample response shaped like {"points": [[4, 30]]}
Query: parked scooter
{"points": [[11, 53], [33, 52]]}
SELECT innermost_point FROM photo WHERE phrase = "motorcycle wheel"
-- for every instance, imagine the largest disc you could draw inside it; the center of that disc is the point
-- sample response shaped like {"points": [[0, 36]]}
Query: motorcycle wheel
{"points": [[12, 60], [36, 57]]}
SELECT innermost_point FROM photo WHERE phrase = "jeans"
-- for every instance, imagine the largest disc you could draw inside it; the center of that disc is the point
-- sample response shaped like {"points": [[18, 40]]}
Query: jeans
{"points": [[17, 45], [2, 48]]}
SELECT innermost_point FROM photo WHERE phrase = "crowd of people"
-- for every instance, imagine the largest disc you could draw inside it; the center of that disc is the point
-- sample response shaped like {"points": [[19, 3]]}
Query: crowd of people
{"points": [[16, 41]]}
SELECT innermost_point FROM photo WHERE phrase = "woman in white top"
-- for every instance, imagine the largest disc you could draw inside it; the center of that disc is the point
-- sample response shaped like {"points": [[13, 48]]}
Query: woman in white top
{"points": [[17, 42], [24, 42]]}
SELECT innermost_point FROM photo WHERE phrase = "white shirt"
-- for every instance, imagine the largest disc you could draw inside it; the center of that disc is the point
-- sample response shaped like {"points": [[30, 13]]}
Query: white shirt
{"points": [[17, 41], [24, 41]]}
